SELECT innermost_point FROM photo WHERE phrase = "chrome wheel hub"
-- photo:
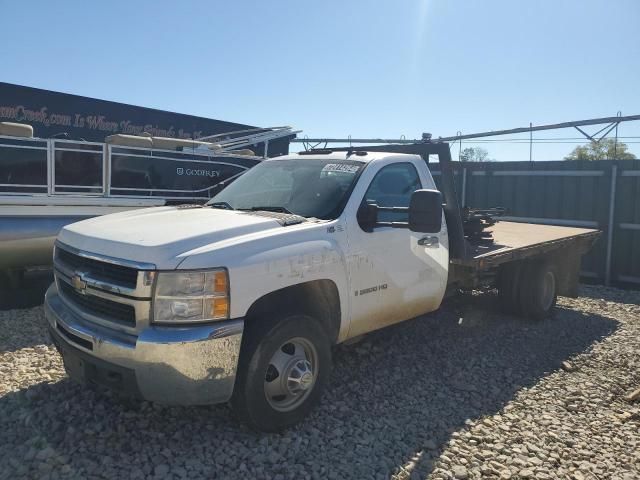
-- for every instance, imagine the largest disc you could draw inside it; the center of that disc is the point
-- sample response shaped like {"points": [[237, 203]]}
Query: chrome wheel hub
{"points": [[291, 374], [300, 377]]}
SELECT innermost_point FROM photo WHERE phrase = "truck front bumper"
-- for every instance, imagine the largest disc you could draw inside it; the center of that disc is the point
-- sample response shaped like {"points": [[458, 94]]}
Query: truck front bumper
{"points": [[191, 365]]}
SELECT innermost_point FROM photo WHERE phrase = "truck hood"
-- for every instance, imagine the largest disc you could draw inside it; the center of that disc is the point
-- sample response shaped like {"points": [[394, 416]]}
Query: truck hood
{"points": [[163, 236]]}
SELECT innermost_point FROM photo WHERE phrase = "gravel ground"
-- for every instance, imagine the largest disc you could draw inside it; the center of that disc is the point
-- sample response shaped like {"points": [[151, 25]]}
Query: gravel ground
{"points": [[486, 396]]}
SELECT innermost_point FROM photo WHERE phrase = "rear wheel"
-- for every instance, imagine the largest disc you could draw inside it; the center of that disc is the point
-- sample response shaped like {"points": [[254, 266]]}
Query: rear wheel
{"points": [[283, 369], [538, 290], [509, 278]]}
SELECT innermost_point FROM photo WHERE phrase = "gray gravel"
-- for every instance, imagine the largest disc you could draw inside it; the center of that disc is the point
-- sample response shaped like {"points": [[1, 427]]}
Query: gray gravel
{"points": [[487, 396]]}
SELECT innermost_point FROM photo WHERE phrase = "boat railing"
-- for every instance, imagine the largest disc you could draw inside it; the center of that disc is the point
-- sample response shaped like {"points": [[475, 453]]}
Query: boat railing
{"points": [[62, 167]]}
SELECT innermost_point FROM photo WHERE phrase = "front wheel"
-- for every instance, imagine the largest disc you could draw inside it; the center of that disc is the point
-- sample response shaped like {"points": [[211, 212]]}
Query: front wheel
{"points": [[284, 366]]}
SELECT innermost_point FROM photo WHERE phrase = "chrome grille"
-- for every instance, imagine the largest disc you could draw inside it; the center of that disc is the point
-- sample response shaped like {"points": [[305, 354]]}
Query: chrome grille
{"points": [[109, 310], [112, 292], [108, 272]]}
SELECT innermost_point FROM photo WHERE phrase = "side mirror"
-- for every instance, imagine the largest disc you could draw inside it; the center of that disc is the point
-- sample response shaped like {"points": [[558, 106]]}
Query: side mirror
{"points": [[367, 216], [425, 211]]}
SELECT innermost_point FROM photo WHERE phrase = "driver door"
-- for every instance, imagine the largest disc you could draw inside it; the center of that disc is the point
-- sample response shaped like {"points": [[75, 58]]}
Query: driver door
{"points": [[395, 274]]}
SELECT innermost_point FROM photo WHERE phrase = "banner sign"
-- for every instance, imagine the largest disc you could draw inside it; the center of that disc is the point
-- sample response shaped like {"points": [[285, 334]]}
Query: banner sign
{"points": [[62, 115]]}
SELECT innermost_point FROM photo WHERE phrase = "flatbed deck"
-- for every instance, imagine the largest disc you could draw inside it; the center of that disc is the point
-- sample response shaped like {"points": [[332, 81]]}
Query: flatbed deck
{"points": [[515, 240]]}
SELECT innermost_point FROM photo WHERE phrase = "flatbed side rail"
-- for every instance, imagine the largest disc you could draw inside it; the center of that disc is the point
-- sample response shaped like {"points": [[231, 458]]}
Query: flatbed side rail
{"points": [[579, 243]]}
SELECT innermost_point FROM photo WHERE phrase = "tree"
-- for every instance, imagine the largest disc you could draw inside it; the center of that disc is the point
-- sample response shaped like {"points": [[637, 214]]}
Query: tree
{"points": [[605, 149], [474, 154]]}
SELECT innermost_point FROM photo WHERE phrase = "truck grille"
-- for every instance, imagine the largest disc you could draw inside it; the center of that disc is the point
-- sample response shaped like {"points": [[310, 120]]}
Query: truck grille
{"points": [[108, 272], [116, 312]]}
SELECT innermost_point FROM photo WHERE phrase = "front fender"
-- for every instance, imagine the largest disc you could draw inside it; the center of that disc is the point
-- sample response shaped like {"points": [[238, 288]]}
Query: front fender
{"points": [[255, 271]]}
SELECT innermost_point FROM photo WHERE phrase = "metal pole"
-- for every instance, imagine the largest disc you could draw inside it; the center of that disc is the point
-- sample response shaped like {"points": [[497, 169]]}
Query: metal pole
{"points": [[52, 160], [530, 142], [464, 187], [610, 227], [615, 144], [106, 169], [50, 166], [592, 121]]}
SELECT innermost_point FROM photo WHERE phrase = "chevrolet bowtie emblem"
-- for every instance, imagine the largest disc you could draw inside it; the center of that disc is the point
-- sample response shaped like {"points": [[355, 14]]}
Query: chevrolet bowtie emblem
{"points": [[78, 283]]}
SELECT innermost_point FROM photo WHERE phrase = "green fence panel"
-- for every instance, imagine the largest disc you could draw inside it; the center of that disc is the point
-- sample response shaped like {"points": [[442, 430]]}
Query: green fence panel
{"points": [[568, 193]]}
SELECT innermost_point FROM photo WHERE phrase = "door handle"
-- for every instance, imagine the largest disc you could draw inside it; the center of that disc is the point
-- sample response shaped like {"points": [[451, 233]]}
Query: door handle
{"points": [[429, 241]]}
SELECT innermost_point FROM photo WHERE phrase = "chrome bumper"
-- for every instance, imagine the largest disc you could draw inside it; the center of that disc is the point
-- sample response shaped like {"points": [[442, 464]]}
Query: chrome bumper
{"points": [[193, 365]]}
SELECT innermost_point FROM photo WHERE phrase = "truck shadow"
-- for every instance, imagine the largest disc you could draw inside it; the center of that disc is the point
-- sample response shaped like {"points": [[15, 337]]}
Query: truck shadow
{"points": [[464, 363], [393, 398]]}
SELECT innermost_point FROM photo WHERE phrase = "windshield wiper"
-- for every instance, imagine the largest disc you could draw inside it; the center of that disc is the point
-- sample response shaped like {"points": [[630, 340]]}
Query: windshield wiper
{"points": [[223, 205], [270, 209]]}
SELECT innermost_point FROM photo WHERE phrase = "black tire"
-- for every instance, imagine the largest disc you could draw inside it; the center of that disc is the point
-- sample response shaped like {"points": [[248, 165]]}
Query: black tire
{"points": [[538, 289], [509, 278], [262, 339]]}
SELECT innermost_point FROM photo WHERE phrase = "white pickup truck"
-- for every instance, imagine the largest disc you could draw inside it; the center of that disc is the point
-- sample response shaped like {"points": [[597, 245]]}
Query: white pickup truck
{"points": [[242, 299]]}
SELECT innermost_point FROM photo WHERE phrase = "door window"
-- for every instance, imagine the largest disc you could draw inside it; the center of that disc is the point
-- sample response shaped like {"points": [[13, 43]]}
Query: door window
{"points": [[392, 187]]}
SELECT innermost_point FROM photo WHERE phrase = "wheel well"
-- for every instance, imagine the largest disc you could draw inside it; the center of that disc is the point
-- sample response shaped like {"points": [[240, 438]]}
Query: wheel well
{"points": [[318, 299]]}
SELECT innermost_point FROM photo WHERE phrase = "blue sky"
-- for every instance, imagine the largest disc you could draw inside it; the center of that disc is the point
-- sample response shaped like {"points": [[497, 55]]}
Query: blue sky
{"points": [[336, 68]]}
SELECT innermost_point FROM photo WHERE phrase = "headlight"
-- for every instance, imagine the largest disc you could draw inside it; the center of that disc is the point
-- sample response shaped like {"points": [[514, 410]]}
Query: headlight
{"points": [[182, 297]]}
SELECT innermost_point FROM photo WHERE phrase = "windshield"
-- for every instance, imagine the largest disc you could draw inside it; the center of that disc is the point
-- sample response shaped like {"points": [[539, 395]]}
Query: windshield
{"points": [[307, 187]]}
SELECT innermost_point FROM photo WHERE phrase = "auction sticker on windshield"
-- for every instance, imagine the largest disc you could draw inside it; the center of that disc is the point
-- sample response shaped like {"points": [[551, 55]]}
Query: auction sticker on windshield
{"points": [[340, 167]]}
